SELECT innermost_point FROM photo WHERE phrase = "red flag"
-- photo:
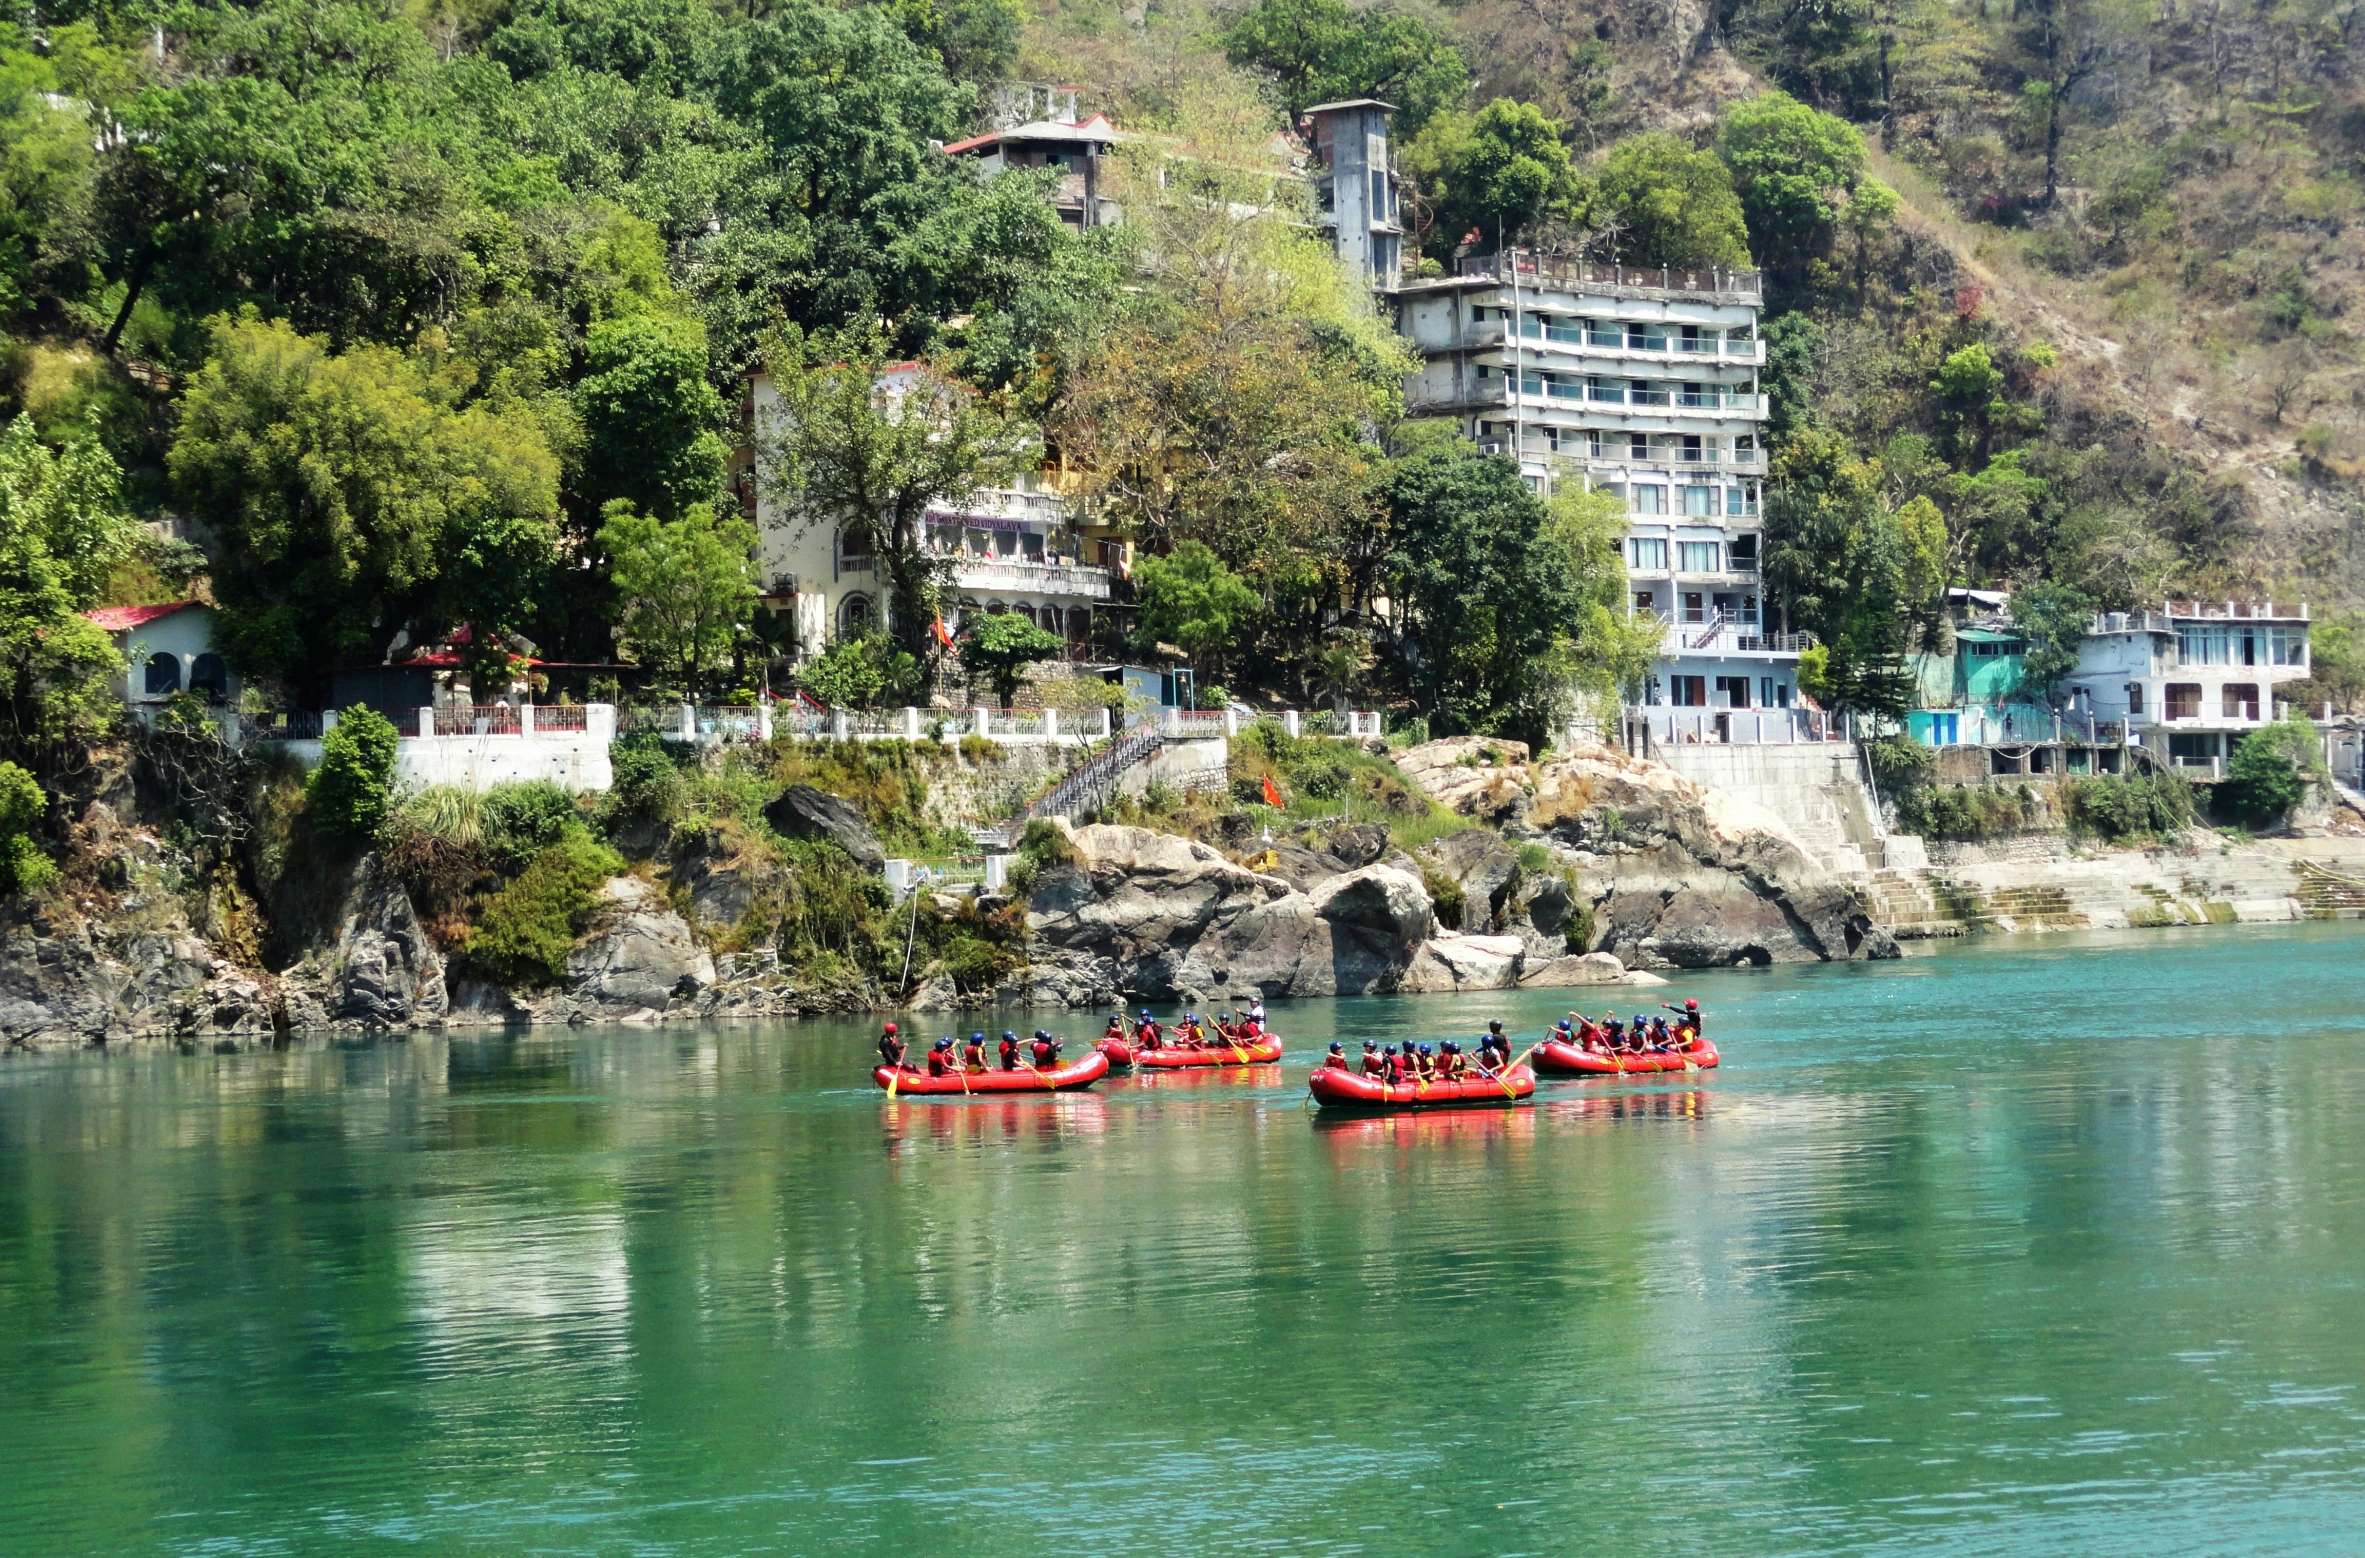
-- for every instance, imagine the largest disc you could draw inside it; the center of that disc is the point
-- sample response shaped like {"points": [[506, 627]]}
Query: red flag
{"points": [[942, 636], [1272, 795]]}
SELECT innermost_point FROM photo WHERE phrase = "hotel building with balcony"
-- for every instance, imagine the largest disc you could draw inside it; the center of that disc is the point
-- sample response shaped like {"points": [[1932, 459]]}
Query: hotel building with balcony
{"points": [[2190, 680], [1006, 548], [1642, 383]]}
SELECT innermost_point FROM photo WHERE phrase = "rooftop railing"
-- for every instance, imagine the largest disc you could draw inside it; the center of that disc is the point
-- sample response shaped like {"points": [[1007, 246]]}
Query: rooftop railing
{"points": [[1531, 269]]}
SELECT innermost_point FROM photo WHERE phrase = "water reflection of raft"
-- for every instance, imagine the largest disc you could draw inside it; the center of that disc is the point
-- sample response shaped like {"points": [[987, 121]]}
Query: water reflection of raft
{"points": [[1167, 1057], [1556, 1059], [1083, 1071], [1336, 1089]]}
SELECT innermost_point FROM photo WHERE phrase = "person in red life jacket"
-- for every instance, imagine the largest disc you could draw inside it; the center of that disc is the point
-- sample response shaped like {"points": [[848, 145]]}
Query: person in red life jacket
{"points": [[1425, 1064], [1148, 1035], [1375, 1065], [891, 1049], [1116, 1033], [973, 1052], [1450, 1063], [1337, 1058], [940, 1057], [1009, 1050], [1046, 1050], [1392, 1066]]}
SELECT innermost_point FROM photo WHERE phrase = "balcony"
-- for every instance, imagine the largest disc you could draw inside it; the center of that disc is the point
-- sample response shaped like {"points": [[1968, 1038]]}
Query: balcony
{"points": [[1660, 281], [1026, 576], [1615, 345]]}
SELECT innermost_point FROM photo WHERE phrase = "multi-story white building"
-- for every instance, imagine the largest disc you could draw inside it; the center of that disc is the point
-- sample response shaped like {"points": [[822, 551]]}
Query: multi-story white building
{"points": [[2189, 681], [1009, 549], [1641, 383]]}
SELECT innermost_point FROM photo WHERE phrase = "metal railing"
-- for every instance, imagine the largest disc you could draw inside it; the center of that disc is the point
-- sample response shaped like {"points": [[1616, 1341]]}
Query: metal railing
{"points": [[1529, 269], [482, 719], [290, 725]]}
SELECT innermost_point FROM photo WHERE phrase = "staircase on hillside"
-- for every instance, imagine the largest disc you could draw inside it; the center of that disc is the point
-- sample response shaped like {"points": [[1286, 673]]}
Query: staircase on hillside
{"points": [[2325, 894], [1091, 787]]}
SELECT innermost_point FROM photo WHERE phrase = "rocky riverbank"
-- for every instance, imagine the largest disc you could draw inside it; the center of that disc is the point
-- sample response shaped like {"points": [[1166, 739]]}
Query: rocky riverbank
{"points": [[1588, 869]]}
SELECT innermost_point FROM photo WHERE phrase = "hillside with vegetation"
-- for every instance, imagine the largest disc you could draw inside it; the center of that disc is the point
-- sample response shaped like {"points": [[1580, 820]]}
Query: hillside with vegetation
{"points": [[428, 323]]}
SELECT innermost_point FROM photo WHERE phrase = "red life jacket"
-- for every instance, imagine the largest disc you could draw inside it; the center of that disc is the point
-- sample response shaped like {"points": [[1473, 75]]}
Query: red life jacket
{"points": [[1375, 1064], [1045, 1053], [938, 1065]]}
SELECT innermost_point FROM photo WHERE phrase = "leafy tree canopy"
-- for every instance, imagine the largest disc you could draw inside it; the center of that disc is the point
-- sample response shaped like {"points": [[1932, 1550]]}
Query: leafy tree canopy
{"points": [[1663, 203], [1324, 51], [1501, 172]]}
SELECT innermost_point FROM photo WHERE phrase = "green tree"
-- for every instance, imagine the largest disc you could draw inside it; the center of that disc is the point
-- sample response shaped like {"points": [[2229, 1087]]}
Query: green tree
{"points": [[24, 866], [650, 414], [1316, 51], [1485, 591], [1611, 646], [1192, 601], [2053, 619], [1000, 645], [349, 792], [863, 452], [45, 170], [1500, 173], [861, 671], [62, 530], [1667, 204], [2270, 771], [1797, 171], [356, 496], [685, 589], [1866, 579]]}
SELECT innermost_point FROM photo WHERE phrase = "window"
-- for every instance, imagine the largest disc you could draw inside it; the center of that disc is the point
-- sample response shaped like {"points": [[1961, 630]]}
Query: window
{"points": [[2135, 697], [1765, 692], [1696, 556], [1691, 450], [1646, 554], [1699, 502], [1732, 503], [2183, 700], [1688, 692], [1742, 554], [1732, 692], [2287, 646], [209, 676], [1645, 601], [2202, 646], [1650, 500], [164, 675], [1031, 542], [1638, 446], [854, 615], [2241, 700]]}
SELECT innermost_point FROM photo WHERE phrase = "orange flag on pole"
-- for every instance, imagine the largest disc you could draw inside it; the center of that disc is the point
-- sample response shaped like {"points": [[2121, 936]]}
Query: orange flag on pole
{"points": [[943, 636], [1272, 795]]}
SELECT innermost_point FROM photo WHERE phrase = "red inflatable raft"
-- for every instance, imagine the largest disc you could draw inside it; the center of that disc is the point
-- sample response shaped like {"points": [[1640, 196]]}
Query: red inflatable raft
{"points": [[1168, 1057], [1083, 1071], [1334, 1088], [1553, 1058], [1119, 1051]]}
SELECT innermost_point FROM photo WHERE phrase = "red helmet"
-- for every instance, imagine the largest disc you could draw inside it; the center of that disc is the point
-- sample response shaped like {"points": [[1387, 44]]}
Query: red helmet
{"points": [[890, 1027], [1691, 1006]]}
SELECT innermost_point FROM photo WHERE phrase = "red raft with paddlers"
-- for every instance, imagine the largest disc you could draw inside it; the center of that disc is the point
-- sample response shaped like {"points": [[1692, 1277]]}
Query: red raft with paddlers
{"points": [[1083, 1071], [1559, 1059], [1258, 1051], [1334, 1087]]}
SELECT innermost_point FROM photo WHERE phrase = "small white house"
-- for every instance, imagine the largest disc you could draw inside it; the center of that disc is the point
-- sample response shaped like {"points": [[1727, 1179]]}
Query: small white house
{"points": [[2191, 680], [167, 650]]}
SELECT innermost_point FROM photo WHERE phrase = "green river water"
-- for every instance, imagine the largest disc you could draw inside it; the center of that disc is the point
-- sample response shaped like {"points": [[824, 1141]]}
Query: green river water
{"points": [[2027, 1246]]}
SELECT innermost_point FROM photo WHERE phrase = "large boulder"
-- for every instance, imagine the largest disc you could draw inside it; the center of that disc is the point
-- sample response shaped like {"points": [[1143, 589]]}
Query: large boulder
{"points": [[1567, 972], [1479, 863], [1450, 963], [1679, 874], [642, 956], [804, 812], [379, 970], [1142, 915]]}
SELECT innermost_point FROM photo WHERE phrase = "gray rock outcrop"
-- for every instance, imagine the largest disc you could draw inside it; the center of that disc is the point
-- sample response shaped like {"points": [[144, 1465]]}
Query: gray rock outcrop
{"points": [[641, 958], [1675, 874], [379, 970], [804, 812]]}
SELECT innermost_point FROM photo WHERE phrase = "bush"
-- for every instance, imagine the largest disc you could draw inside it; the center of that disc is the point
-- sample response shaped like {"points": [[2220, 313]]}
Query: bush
{"points": [[348, 793], [645, 777], [1445, 896], [1412, 733], [525, 931], [523, 817], [2131, 806], [24, 868], [2268, 773], [1900, 764], [1972, 812], [1320, 778]]}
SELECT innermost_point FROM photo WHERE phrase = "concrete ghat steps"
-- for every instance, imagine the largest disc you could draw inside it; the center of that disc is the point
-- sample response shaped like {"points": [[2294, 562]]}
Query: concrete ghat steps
{"points": [[2106, 892]]}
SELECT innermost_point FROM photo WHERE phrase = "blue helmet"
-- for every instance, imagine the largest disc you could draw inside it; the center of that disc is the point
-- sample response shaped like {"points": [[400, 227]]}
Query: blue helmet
{"points": [[1145, 1014], [978, 1037], [1336, 1047], [1426, 1050]]}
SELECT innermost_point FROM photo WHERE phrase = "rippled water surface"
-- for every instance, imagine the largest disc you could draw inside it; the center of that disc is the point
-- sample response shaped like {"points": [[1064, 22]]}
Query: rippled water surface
{"points": [[2024, 1247]]}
